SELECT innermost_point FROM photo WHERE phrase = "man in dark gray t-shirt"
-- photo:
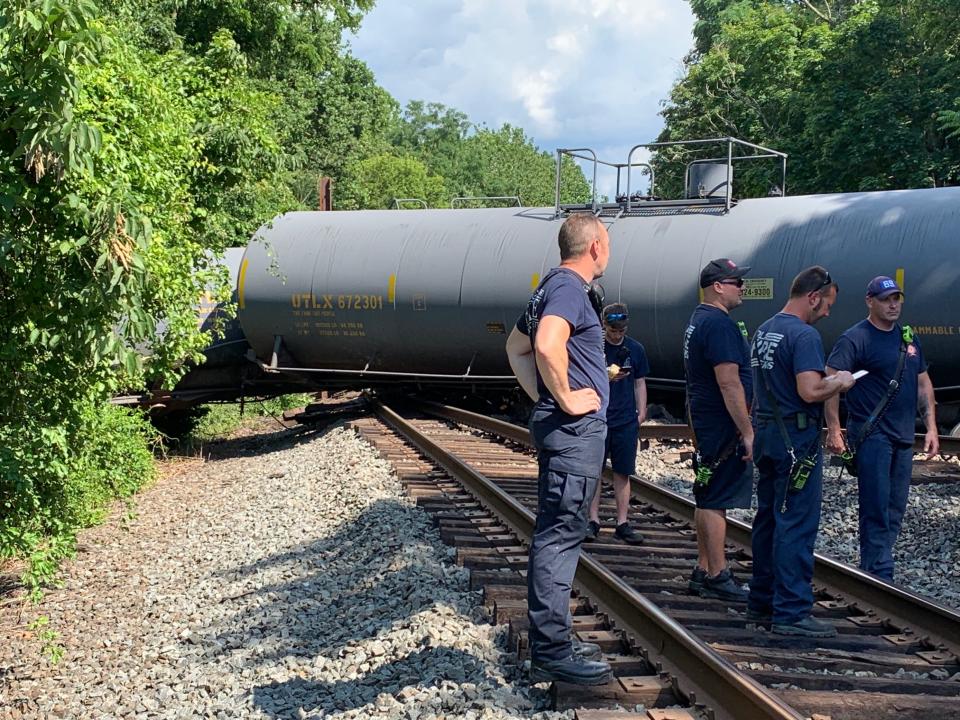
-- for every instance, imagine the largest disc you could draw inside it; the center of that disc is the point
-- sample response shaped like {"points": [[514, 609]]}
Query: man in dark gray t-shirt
{"points": [[556, 352]]}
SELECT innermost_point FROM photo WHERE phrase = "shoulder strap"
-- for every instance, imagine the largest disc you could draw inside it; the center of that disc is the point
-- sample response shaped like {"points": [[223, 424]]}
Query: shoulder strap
{"points": [[777, 414], [892, 389]]}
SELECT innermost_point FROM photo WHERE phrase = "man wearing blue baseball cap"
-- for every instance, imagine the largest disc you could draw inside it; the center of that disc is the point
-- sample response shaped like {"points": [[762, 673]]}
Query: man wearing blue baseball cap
{"points": [[881, 418]]}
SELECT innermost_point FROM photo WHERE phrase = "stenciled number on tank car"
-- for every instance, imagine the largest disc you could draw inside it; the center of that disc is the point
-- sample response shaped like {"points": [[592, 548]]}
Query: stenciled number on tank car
{"points": [[360, 302]]}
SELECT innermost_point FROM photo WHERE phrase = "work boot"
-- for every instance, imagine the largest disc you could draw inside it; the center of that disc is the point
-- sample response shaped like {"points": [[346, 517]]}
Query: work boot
{"points": [[571, 670], [628, 534], [808, 627], [586, 650], [761, 618], [723, 587], [593, 531], [695, 585]]}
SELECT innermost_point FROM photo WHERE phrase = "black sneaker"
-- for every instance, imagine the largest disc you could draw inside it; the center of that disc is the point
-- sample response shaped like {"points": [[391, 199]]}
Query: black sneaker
{"points": [[723, 587], [628, 534], [695, 585], [808, 627], [586, 650], [572, 670], [593, 531]]}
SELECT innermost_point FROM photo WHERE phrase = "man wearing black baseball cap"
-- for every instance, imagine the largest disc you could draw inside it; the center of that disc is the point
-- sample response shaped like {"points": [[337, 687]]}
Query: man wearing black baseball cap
{"points": [[881, 415], [722, 269], [716, 359]]}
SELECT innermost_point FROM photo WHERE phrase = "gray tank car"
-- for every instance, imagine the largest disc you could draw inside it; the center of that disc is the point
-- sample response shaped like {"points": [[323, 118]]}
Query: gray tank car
{"points": [[427, 296]]}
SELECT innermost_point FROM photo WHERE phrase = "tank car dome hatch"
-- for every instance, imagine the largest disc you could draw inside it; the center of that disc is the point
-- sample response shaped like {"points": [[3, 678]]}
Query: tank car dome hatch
{"points": [[708, 179]]}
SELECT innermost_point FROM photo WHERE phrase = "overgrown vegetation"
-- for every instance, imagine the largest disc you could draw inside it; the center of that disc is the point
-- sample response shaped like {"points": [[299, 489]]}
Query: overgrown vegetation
{"points": [[138, 140]]}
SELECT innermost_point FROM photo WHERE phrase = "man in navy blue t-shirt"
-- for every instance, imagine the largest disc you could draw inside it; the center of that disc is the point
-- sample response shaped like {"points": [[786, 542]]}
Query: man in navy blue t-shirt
{"points": [[627, 368], [556, 352], [787, 359], [716, 360], [882, 418]]}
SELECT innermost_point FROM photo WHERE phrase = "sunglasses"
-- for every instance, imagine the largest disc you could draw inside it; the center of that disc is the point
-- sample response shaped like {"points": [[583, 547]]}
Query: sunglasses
{"points": [[615, 317], [738, 282], [827, 282]]}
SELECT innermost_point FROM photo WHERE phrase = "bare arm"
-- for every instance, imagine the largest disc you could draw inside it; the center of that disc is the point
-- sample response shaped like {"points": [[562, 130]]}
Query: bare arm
{"points": [[523, 363], [735, 400], [640, 394], [931, 442], [550, 348], [831, 408], [812, 387]]}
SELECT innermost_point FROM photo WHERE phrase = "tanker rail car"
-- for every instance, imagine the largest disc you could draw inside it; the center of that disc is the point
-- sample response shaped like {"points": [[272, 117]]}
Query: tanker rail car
{"points": [[426, 297]]}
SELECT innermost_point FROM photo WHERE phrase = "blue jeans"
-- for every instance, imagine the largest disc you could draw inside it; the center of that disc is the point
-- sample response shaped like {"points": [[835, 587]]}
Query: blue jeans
{"points": [[884, 467], [570, 455], [783, 539]]}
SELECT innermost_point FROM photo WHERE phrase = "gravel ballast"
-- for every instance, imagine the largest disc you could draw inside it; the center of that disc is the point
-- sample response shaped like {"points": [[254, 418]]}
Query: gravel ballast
{"points": [[926, 555], [286, 577]]}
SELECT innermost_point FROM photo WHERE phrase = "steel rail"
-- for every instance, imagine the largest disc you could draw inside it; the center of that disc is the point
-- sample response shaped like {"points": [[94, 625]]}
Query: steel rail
{"points": [[705, 677], [900, 606]]}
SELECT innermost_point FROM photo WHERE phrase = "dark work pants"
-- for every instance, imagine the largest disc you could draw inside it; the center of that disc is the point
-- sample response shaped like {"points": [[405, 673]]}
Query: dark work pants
{"points": [[570, 455], [783, 542], [884, 467]]}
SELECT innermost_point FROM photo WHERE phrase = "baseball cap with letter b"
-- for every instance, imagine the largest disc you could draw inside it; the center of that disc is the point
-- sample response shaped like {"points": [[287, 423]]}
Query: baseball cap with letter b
{"points": [[882, 287]]}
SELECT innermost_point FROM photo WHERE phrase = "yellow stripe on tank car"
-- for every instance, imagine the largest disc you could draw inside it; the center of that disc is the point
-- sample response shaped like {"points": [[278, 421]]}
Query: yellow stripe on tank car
{"points": [[240, 283], [391, 288], [534, 281], [899, 278]]}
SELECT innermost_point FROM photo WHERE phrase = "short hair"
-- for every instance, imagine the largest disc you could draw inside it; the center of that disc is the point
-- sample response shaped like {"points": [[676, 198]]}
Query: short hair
{"points": [[576, 234], [812, 279]]}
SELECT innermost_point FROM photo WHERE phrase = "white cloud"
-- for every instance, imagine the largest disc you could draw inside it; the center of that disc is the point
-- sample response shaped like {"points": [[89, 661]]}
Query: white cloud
{"points": [[572, 73]]}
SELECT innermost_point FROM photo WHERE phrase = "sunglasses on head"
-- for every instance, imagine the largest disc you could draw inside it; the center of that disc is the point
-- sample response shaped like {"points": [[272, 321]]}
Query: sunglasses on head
{"points": [[738, 282], [615, 317], [827, 282]]}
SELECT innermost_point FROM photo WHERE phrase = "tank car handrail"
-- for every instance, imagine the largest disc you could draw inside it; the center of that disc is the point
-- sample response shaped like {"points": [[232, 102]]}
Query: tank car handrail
{"points": [[468, 198], [572, 153], [729, 141], [397, 201]]}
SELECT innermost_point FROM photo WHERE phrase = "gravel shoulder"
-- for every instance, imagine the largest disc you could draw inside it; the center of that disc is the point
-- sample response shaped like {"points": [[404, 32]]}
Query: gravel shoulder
{"points": [[285, 576], [927, 552]]}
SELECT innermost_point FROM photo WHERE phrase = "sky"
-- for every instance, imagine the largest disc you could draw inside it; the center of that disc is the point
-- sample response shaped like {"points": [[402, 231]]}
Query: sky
{"points": [[571, 73]]}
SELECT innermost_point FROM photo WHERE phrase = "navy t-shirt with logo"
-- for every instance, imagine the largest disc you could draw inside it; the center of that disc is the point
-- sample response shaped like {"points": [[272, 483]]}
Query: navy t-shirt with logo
{"points": [[713, 338], [563, 293], [783, 347], [631, 357], [866, 347]]}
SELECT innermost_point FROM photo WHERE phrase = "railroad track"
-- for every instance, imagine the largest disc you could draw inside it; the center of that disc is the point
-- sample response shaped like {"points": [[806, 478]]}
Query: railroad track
{"points": [[893, 658]]}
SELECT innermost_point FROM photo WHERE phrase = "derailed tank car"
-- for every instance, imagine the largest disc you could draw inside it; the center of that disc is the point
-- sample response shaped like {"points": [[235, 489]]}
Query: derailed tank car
{"points": [[427, 297]]}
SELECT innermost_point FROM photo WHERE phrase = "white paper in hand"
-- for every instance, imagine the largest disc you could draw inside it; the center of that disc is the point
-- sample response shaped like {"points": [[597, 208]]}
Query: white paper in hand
{"points": [[860, 373]]}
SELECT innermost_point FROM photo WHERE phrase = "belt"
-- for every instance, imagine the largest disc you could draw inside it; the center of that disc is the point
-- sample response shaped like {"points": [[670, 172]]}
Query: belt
{"points": [[794, 418]]}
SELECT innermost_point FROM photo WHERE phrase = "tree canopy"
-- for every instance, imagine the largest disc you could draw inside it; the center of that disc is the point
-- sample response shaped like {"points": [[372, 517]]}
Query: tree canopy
{"points": [[863, 94]]}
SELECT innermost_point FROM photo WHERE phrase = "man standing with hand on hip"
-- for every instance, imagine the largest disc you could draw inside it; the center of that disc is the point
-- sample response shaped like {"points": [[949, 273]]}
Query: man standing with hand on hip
{"points": [[881, 418], [556, 352]]}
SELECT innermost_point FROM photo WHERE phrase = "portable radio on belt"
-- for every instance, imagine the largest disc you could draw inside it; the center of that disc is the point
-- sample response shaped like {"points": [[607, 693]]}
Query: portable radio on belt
{"points": [[801, 473]]}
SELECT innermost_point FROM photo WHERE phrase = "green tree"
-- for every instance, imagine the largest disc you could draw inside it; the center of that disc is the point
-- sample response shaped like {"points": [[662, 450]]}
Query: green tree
{"points": [[854, 91], [377, 181]]}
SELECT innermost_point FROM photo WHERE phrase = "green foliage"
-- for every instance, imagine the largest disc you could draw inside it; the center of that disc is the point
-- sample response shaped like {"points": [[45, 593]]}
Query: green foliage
{"points": [[124, 173], [859, 93], [377, 181]]}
